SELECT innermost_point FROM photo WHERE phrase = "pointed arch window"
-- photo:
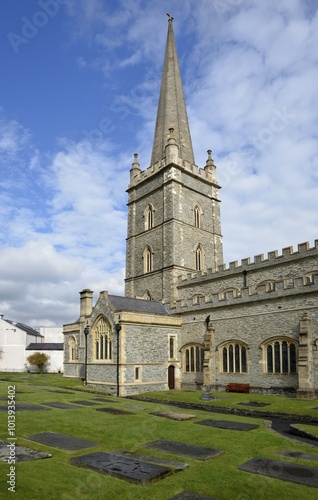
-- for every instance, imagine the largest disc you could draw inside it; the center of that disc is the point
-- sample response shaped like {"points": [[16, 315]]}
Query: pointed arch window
{"points": [[199, 258], [149, 217], [148, 259], [72, 348], [102, 339], [198, 215]]}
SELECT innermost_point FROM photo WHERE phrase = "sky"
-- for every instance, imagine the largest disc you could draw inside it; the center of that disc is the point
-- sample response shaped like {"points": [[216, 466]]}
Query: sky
{"points": [[79, 90]]}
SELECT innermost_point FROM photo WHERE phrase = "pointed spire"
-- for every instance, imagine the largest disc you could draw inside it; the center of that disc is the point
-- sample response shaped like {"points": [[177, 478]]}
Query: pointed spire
{"points": [[135, 168], [172, 111]]}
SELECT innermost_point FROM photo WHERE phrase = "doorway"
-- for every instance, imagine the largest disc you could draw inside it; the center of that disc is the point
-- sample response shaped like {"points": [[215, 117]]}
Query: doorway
{"points": [[171, 380]]}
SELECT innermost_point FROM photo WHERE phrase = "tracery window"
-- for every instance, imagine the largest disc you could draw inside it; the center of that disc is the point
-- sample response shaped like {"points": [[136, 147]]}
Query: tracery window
{"points": [[280, 356], [102, 338], [233, 357], [193, 358]]}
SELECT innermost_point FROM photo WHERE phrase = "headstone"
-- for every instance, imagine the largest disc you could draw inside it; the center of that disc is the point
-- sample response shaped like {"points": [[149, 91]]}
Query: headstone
{"points": [[154, 460], [25, 407], [85, 403], [61, 406]]}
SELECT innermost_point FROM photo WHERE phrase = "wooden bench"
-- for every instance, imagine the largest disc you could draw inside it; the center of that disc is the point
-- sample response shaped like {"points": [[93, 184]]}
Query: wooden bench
{"points": [[238, 388]]}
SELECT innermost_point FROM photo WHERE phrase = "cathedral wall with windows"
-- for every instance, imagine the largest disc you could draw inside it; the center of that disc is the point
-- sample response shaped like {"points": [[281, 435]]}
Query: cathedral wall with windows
{"points": [[249, 329]]}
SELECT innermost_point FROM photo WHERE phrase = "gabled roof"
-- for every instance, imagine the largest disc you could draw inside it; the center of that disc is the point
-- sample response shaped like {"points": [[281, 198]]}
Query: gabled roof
{"points": [[27, 329], [45, 346], [138, 305]]}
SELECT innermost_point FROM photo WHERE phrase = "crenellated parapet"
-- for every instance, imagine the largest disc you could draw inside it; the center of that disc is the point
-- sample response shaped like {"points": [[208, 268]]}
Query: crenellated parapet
{"points": [[259, 262], [281, 289], [173, 160]]}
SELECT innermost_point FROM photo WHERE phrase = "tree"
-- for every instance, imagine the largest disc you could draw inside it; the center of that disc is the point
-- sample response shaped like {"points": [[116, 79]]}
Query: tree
{"points": [[39, 359]]}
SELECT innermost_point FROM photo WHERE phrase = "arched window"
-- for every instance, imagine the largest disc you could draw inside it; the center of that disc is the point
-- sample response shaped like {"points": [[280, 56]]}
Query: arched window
{"points": [[102, 339], [311, 278], [148, 260], [192, 358], [199, 258], [149, 217], [72, 348], [280, 356], [233, 357], [197, 216], [269, 285]]}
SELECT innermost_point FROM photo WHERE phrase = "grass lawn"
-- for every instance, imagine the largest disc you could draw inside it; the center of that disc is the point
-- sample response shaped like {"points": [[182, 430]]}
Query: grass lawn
{"points": [[55, 478]]}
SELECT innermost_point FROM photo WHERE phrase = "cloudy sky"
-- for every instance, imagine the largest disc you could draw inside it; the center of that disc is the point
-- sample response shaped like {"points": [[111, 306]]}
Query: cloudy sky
{"points": [[78, 95]]}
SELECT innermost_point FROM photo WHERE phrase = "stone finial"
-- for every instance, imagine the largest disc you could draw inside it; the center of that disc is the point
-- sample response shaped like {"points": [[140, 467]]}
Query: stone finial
{"points": [[210, 162], [135, 163], [172, 148]]}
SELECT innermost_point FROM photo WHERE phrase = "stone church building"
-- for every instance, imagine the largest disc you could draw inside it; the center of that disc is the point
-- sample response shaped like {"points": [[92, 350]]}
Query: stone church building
{"points": [[187, 320]]}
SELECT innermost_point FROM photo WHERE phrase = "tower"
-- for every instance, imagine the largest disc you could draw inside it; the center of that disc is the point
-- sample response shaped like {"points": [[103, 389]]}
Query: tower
{"points": [[173, 207]]}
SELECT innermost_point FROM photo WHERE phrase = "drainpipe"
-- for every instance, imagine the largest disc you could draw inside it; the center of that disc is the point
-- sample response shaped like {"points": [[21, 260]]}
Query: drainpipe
{"points": [[118, 328], [244, 278]]}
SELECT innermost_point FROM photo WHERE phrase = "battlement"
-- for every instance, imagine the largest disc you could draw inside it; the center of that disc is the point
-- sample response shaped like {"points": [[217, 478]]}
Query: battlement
{"points": [[259, 261], [235, 296], [138, 176]]}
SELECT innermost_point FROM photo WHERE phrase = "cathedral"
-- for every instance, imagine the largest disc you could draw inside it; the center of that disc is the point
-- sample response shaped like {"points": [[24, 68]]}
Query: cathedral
{"points": [[187, 320]]}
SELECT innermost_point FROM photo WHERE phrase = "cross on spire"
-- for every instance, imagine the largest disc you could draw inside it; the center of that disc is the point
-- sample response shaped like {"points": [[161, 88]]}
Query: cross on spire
{"points": [[170, 16]]}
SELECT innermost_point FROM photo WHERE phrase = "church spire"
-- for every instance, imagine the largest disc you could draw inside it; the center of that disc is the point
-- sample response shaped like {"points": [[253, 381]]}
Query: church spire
{"points": [[172, 111]]}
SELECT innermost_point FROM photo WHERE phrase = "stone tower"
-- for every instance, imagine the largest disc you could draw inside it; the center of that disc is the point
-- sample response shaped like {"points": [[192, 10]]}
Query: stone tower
{"points": [[173, 207]]}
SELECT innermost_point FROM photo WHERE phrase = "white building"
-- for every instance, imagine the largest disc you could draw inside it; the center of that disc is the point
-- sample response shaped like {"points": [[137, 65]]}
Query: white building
{"points": [[18, 341]]}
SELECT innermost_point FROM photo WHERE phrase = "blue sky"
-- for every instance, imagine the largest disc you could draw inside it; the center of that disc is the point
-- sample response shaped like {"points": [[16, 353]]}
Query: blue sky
{"points": [[78, 97]]}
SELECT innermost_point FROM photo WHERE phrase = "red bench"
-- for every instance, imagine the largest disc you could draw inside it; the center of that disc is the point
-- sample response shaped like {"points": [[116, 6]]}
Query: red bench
{"points": [[238, 388]]}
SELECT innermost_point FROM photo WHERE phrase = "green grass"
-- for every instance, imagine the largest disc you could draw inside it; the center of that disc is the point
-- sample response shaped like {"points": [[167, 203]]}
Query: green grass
{"points": [[219, 478], [232, 400]]}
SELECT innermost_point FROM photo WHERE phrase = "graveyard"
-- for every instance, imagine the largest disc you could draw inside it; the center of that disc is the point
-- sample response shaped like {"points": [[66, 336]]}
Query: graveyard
{"points": [[71, 441]]}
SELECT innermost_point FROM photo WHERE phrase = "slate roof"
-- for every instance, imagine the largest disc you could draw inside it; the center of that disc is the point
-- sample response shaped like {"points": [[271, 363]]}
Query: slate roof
{"points": [[138, 305], [25, 328], [45, 346]]}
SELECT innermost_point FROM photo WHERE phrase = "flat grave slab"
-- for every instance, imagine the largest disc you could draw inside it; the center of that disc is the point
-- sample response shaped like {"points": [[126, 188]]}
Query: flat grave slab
{"points": [[21, 453], [61, 406], [254, 403], [225, 424], [173, 415], [105, 400], [299, 454], [134, 407], [154, 460], [129, 469], [190, 495], [25, 406], [62, 441], [115, 411], [189, 450], [301, 474], [85, 403], [60, 392]]}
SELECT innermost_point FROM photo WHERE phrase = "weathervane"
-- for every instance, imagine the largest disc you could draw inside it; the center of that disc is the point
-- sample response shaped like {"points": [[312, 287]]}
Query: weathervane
{"points": [[170, 16]]}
